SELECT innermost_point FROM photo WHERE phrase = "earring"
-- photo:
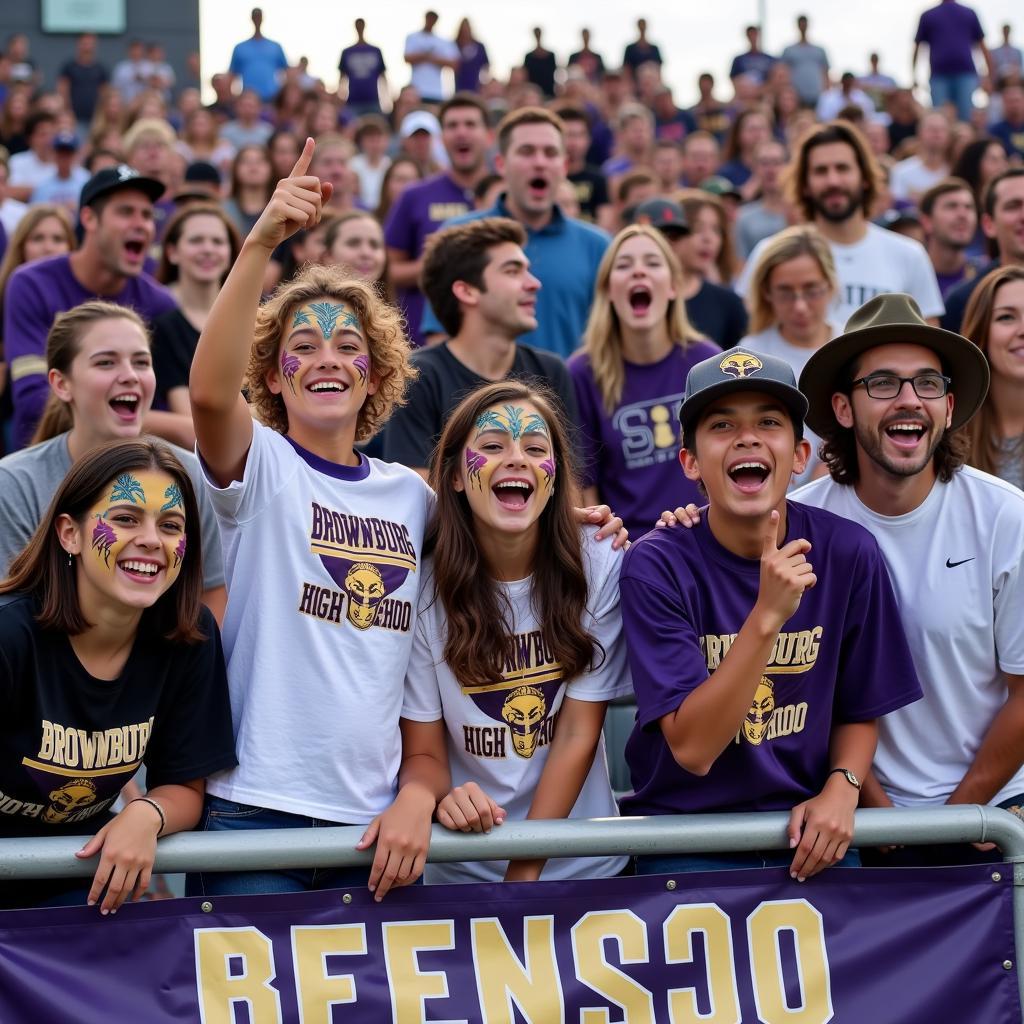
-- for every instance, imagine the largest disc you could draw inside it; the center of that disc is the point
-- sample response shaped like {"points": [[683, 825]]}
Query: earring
{"points": [[69, 560]]}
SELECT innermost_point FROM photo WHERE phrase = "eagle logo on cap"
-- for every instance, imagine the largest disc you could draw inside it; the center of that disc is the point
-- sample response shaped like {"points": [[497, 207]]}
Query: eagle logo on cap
{"points": [[740, 364]]}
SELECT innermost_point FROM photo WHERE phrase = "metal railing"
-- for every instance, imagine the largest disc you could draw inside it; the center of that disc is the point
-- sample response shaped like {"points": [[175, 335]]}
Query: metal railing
{"points": [[251, 850]]}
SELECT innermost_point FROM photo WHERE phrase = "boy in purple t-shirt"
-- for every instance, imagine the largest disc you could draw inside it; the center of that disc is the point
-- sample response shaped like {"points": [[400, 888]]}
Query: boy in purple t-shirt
{"points": [[758, 677]]}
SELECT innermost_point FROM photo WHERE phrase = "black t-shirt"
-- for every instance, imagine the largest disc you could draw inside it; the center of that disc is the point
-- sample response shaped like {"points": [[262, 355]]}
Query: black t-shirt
{"points": [[638, 53], [84, 84], [174, 345], [718, 313], [956, 300], [540, 70], [69, 742], [591, 191], [413, 431]]}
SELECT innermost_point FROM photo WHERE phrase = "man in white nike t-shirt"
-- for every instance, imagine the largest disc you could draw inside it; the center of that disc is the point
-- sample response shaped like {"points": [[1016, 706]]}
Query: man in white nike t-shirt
{"points": [[886, 397], [833, 180]]}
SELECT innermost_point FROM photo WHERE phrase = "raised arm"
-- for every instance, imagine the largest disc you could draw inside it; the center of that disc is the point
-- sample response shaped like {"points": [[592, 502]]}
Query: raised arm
{"points": [[221, 417]]}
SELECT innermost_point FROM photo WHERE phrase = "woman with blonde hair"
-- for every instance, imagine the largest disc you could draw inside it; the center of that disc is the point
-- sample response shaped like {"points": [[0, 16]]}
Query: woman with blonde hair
{"points": [[629, 378], [792, 286], [994, 321]]}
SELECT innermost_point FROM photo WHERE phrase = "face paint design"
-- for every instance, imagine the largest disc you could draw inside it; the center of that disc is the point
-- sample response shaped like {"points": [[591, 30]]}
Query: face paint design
{"points": [[141, 494], [301, 317], [362, 365], [289, 367], [548, 469], [474, 463], [512, 420], [174, 499], [329, 313]]}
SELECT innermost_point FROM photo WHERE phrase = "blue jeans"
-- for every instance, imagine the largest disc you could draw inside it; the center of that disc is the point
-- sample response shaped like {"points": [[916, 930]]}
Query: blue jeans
{"points": [[955, 89], [226, 815], [666, 864]]}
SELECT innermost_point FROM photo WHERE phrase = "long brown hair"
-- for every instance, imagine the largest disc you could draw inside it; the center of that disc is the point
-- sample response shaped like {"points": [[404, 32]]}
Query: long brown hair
{"points": [[693, 200], [479, 636], [42, 568], [63, 344], [982, 431], [168, 272]]}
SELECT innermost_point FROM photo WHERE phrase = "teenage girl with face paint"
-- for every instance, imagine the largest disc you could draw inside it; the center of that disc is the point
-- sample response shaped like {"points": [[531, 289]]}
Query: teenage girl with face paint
{"points": [[109, 660], [518, 643], [323, 556]]}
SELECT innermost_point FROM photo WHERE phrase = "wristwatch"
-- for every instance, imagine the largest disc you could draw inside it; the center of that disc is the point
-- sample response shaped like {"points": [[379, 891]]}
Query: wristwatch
{"points": [[850, 777]]}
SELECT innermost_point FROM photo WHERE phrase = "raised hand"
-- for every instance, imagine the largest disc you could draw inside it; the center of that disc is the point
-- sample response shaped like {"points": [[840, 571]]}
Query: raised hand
{"points": [[297, 203], [785, 574]]}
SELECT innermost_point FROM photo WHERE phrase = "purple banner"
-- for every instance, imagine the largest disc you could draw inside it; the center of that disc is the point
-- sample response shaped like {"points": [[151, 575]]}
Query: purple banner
{"points": [[886, 946]]}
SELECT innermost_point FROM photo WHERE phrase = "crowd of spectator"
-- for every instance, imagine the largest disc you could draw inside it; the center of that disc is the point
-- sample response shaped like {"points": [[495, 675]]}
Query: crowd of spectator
{"points": [[569, 224]]}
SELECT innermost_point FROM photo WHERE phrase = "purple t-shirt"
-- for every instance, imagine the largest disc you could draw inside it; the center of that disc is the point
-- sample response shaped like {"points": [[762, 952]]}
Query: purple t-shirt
{"points": [[632, 454], [951, 32], [362, 64], [35, 294], [421, 209], [472, 60], [841, 658]]}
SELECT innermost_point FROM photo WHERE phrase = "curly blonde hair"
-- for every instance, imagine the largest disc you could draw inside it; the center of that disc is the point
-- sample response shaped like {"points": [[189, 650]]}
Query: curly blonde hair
{"points": [[385, 336]]}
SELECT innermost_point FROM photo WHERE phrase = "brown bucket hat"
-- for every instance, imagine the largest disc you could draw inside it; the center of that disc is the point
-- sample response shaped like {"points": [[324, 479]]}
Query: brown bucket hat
{"points": [[889, 319]]}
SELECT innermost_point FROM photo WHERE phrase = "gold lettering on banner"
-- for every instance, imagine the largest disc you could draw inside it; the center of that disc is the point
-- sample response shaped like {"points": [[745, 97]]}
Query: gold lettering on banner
{"points": [[719, 967], [411, 987], [502, 979], [592, 968], [317, 990], [221, 987]]}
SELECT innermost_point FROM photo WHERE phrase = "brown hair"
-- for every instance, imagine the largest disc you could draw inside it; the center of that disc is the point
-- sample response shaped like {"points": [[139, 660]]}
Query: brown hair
{"points": [[41, 569], [62, 345], [384, 207], [478, 637], [838, 448], [795, 179], [334, 229], [693, 200], [167, 272], [982, 431], [461, 253], [385, 335], [461, 100], [943, 188], [526, 115], [732, 140]]}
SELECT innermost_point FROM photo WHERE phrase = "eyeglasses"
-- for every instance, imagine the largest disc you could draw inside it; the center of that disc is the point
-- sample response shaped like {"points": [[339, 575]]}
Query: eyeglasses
{"points": [[888, 385], [790, 296]]}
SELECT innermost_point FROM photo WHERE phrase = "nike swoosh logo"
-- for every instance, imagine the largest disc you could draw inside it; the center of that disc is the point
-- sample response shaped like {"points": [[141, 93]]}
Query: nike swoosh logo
{"points": [[953, 565]]}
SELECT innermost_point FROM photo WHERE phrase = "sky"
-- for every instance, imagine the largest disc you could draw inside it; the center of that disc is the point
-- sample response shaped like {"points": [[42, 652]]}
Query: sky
{"points": [[693, 36]]}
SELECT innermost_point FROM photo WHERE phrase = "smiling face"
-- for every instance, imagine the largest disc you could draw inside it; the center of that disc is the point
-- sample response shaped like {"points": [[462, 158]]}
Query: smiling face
{"points": [[110, 381], [203, 251], [640, 284], [1005, 348], [745, 452], [132, 542], [359, 244], [324, 372], [508, 467], [896, 436]]}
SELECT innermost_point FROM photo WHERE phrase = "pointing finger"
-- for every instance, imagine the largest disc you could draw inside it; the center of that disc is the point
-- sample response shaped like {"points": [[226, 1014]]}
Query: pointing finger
{"points": [[771, 535], [305, 159]]}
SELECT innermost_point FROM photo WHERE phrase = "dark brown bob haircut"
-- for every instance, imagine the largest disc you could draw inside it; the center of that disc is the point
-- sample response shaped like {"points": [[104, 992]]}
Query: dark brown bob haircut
{"points": [[42, 567]]}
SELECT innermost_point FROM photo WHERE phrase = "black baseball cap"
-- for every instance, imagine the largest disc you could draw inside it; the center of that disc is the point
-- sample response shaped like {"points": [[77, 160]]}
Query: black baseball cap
{"points": [[112, 179], [68, 141], [664, 214], [739, 369]]}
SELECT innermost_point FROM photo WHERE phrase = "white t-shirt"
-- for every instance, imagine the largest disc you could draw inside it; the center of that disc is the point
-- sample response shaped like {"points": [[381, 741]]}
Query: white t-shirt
{"points": [[499, 736], [957, 567], [371, 179], [882, 261], [323, 569], [26, 169], [910, 178], [770, 342], [426, 77]]}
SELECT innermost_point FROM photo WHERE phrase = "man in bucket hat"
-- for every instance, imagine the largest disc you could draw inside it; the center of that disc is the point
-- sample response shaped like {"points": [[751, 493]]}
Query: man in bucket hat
{"points": [[755, 687], [887, 397]]}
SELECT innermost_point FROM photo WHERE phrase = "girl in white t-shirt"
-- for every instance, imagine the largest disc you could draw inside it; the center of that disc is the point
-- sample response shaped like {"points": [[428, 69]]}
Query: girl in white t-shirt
{"points": [[322, 551], [518, 643]]}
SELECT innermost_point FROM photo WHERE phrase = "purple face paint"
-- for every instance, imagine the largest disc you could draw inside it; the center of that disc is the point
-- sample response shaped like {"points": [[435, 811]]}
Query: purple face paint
{"points": [[548, 468], [103, 538], [289, 367], [474, 463], [179, 552], [362, 365]]}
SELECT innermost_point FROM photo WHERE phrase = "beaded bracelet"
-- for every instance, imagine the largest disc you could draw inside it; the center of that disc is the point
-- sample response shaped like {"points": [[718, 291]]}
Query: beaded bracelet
{"points": [[159, 810]]}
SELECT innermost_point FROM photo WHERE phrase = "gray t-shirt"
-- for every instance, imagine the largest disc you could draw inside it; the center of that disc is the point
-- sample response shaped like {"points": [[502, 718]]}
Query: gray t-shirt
{"points": [[1010, 460], [808, 65], [753, 223], [29, 479]]}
